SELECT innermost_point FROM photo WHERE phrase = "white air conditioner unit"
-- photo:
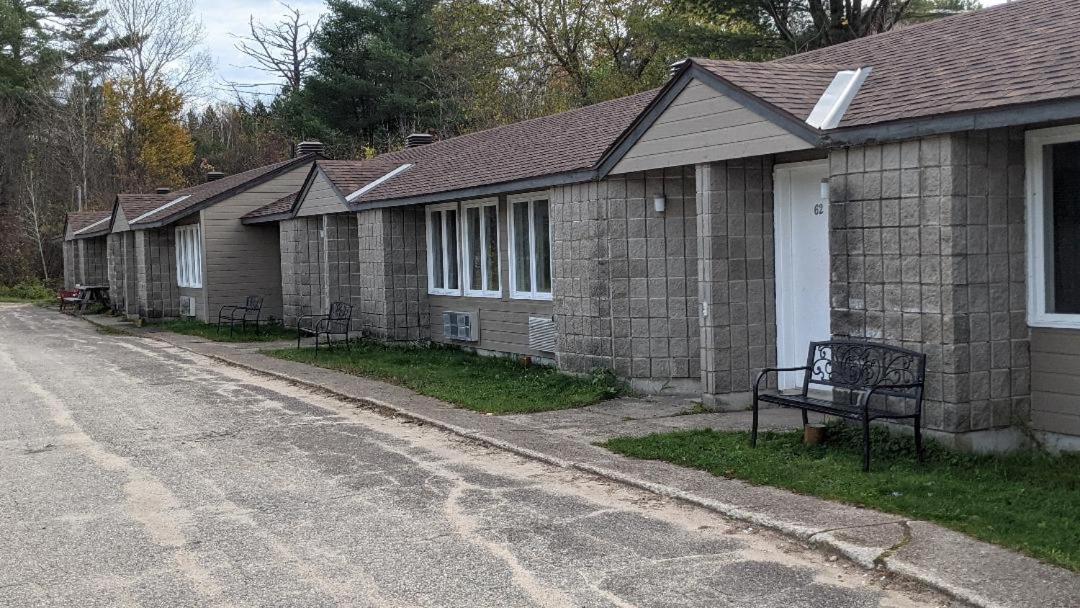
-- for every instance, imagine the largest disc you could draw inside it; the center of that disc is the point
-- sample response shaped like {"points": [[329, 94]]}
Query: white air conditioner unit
{"points": [[187, 306], [460, 326], [542, 334]]}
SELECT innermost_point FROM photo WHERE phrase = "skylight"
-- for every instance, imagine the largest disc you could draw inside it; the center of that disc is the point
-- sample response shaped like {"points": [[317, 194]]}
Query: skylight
{"points": [[830, 109], [165, 206], [368, 188]]}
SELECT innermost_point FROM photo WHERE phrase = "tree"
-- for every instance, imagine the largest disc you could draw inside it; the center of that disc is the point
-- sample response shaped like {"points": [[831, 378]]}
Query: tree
{"points": [[164, 43], [799, 25], [282, 49], [151, 147], [377, 73]]}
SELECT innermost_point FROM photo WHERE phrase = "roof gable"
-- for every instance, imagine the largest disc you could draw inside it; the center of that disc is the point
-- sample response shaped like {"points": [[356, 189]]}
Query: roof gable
{"points": [[319, 197], [703, 117]]}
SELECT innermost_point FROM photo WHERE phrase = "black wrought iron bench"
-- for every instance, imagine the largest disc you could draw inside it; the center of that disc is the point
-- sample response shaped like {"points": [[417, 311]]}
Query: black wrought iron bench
{"points": [[337, 323], [249, 312], [857, 381]]}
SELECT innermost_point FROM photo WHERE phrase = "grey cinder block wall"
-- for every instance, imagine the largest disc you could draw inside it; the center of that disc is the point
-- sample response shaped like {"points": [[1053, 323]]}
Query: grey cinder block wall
{"points": [[735, 270], [625, 278], [392, 274], [157, 294], [115, 270], [928, 253], [70, 260], [302, 289], [94, 257]]}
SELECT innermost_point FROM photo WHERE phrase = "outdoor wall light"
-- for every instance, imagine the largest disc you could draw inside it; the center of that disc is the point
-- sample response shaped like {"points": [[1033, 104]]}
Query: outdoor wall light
{"points": [[660, 203]]}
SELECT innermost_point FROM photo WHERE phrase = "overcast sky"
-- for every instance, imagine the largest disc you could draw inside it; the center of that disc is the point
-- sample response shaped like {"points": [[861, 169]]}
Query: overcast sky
{"points": [[224, 17]]}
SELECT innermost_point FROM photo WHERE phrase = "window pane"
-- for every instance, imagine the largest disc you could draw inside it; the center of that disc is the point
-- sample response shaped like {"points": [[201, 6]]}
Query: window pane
{"points": [[1065, 267], [543, 246], [521, 246], [491, 246], [475, 251], [451, 249], [435, 228]]}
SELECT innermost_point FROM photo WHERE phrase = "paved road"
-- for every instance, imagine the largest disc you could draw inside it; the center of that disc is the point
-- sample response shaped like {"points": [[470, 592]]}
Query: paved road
{"points": [[133, 473]]}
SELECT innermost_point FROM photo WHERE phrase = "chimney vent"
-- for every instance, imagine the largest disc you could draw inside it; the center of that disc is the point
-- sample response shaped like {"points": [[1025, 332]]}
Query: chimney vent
{"points": [[675, 67], [213, 176], [419, 139], [309, 147], [163, 191]]}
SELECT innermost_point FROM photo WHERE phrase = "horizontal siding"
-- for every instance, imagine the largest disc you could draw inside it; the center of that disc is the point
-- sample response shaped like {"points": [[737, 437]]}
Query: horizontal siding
{"points": [[321, 198], [703, 125], [503, 323], [243, 260], [1055, 380]]}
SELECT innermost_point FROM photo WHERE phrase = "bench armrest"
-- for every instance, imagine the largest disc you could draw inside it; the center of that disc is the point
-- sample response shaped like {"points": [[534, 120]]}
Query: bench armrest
{"points": [[772, 370], [311, 318], [866, 393]]}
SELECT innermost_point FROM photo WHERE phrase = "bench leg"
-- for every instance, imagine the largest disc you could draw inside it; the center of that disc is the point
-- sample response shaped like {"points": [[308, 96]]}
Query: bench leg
{"points": [[805, 420], [866, 444], [754, 423], [918, 438]]}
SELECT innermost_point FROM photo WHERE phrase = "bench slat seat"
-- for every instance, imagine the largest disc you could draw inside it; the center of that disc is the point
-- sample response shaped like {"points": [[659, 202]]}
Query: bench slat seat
{"points": [[861, 376]]}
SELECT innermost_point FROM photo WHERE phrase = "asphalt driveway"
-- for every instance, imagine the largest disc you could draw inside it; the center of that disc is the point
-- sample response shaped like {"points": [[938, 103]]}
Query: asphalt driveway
{"points": [[133, 473]]}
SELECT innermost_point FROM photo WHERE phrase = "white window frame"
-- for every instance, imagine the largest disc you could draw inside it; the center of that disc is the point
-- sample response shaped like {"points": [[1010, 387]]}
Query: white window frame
{"points": [[1035, 173], [530, 198], [484, 261], [189, 255], [443, 291]]}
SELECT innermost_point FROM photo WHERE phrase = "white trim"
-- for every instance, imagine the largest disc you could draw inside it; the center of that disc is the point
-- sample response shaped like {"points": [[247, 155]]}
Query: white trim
{"points": [[466, 275], [836, 99], [1034, 172], [375, 184], [101, 221], [165, 206], [788, 352], [530, 198], [445, 270], [189, 257]]}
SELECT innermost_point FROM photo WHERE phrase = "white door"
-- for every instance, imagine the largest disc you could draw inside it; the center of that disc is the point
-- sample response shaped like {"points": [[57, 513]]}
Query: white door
{"points": [[801, 218]]}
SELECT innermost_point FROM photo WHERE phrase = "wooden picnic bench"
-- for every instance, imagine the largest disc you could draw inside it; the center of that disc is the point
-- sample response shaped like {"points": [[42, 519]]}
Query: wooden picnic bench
{"points": [[854, 380], [337, 323], [83, 296]]}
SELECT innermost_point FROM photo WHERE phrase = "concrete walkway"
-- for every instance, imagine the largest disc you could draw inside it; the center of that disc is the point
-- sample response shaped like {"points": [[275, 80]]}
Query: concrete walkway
{"points": [[973, 571]]}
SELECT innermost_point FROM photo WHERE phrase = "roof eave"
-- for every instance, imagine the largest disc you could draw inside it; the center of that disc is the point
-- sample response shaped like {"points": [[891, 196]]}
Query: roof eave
{"points": [[1007, 116], [237, 189], [519, 185], [266, 219]]}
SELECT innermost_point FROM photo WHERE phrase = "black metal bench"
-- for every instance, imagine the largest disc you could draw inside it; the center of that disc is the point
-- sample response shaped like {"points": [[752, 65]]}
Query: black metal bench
{"points": [[337, 323], [866, 381], [249, 312]]}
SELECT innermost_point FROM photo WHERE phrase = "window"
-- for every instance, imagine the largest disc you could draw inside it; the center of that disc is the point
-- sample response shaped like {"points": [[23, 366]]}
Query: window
{"points": [[480, 233], [442, 227], [1053, 224], [188, 256], [530, 248]]}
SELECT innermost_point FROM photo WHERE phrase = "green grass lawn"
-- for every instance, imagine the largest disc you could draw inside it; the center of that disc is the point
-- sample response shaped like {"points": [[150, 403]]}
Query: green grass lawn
{"points": [[485, 384], [1026, 501], [191, 327]]}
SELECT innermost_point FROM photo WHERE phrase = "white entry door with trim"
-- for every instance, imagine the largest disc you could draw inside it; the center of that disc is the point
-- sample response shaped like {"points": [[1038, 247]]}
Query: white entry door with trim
{"points": [[801, 219]]}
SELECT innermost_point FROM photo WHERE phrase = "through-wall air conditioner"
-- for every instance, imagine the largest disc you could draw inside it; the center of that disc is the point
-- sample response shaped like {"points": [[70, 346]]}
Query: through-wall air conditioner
{"points": [[187, 306], [460, 326]]}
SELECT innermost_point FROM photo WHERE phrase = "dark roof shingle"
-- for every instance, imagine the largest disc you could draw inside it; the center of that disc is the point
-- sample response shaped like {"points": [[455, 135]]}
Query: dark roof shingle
{"points": [[550, 145], [281, 205], [794, 89], [1018, 53], [82, 220]]}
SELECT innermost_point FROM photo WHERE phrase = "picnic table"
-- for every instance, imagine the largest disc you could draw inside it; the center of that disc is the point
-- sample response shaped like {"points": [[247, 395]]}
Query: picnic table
{"points": [[85, 295]]}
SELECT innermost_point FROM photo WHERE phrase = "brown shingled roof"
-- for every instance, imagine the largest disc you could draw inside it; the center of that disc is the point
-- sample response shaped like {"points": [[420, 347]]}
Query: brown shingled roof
{"points": [[550, 145], [793, 88], [281, 205], [79, 220], [1018, 53], [135, 205]]}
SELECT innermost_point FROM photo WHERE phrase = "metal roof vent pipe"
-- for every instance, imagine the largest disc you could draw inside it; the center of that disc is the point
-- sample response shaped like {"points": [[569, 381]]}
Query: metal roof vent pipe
{"points": [[213, 176], [163, 191], [309, 147], [416, 140]]}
